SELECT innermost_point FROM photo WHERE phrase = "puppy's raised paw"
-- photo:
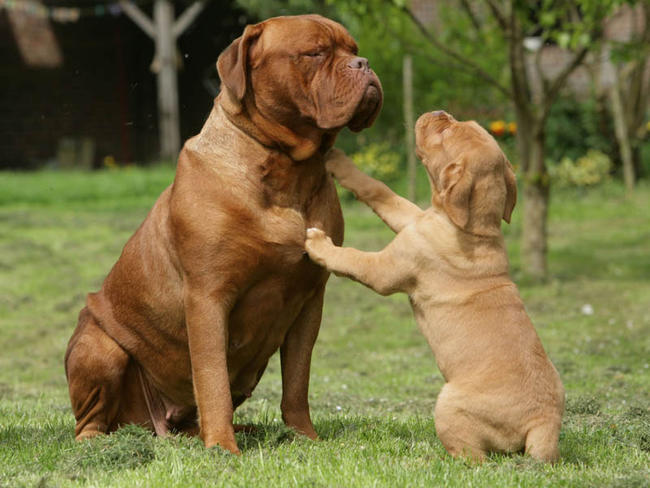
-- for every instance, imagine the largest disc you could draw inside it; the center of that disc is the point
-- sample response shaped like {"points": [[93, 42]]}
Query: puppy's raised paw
{"points": [[317, 245], [315, 233], [337, 163]]}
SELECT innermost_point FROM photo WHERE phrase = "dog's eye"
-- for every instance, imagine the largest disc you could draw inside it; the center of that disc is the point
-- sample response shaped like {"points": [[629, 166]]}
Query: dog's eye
{"points": [[314, 54]]}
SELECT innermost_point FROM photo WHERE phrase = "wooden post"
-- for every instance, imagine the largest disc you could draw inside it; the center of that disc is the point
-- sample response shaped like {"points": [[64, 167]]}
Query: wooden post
{"points": [[169, 130], [407, 80], [164, 31], [621, 130]]}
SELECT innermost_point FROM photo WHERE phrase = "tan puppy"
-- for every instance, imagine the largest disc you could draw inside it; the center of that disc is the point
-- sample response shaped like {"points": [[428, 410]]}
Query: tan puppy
{"points": [[215, 280], [502, 392]]}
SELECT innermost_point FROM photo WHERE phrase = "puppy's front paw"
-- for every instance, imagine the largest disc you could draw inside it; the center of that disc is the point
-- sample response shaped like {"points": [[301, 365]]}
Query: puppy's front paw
{"points": [[317, 245], [338, 164]]}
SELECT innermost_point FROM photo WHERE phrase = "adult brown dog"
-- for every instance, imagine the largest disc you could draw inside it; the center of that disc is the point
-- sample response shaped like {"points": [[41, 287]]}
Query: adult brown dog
{"points": [[502, 393], [215, 280]]}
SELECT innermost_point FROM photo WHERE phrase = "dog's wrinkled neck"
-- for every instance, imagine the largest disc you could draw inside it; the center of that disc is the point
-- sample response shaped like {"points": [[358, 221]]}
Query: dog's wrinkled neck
{"points": [[271, 134], [280, 179]]}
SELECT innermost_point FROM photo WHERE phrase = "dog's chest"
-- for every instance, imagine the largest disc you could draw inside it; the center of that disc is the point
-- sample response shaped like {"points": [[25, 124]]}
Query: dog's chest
{"points": [[271, 304], [283, 276], [281, 282]]}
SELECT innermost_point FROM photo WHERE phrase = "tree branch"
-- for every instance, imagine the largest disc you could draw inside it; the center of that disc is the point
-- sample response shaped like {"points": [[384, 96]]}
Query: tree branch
{"points": [[472, 16], [187, 17], [518, 74], [554, 87], [139, 18], [476, 69], [501, 17], [450, 65]]}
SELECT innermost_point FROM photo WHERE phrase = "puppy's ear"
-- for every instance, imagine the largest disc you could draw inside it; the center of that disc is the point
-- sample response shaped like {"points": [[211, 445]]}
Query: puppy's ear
{"points": [[457, 184], [511, 191], [232, 63]]}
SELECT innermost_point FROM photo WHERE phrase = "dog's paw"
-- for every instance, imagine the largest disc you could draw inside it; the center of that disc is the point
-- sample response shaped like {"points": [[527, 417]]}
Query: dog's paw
{"points": [[227, 443]]}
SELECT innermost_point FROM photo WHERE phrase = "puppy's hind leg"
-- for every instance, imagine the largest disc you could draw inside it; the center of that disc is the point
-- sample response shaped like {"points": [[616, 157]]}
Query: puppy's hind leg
{"points": [[457, 432], [95, 366], [542, 442]]}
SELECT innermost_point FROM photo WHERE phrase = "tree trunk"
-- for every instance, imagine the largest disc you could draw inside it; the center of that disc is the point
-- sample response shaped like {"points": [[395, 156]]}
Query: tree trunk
{"points": [[639, 169], [536, 198]]}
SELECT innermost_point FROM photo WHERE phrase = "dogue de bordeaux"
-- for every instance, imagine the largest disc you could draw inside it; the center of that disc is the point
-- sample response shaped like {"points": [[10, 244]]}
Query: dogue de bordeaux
{"points": [[215, 280], [502, 393]]}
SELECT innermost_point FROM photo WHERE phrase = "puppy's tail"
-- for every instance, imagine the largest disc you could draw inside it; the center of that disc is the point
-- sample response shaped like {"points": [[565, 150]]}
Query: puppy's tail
{"points": [[542, 442]]}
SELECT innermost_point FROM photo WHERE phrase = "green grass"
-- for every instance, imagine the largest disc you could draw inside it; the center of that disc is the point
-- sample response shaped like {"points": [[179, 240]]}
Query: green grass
{"points": [[374, 380]]}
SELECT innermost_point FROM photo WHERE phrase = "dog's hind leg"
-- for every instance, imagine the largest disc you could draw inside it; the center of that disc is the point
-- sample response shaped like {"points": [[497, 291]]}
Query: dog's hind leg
{"points": [[95, 366], [457, 431], [542, 442]]}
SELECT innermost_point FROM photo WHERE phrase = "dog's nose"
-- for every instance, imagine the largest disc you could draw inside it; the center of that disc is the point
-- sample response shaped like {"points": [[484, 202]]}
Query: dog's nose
{"points": [[439, 113], [359, 63]]}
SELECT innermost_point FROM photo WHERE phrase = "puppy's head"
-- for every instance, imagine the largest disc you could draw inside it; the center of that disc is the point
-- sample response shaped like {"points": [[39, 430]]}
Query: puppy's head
{"points": [[471, 178]]}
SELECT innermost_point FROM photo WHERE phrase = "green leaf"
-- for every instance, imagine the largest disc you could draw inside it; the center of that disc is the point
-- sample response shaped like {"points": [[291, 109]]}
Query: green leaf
{"points": [[547, 19], [564, 39]]}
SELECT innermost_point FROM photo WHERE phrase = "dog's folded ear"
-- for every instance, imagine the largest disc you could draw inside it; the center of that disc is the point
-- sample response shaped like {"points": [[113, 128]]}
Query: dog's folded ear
{"points": [[232, 64], [476, 203], [457, 183], [511, 191]]}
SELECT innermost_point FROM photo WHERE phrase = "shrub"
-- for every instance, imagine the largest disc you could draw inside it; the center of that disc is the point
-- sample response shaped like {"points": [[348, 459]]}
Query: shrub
{"points": [[574, 127], [379, 161], [589, 170]]}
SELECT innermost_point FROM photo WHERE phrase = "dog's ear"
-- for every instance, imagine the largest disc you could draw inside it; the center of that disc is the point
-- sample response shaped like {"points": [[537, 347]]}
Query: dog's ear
{"points": [[232, 64], [511, 191], [457, 183]]}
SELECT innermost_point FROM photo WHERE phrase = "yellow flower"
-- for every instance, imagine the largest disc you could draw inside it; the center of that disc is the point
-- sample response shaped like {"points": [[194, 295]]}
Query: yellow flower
{"points": [[512, 128], [109, 162], [498, 127]]}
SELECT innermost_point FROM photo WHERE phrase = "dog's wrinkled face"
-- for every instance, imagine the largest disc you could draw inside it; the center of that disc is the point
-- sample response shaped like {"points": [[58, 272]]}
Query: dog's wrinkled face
{"points": [[471, 178], [302, 71]]}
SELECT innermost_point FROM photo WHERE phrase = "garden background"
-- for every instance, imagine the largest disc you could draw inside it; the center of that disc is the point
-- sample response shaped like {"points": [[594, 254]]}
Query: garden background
{"points": [[563, 86]]}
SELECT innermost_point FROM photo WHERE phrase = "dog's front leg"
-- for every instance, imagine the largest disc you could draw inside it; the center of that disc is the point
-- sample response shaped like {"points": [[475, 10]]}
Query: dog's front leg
{"points": [[295, 359], [206, 315], [387, 271]]}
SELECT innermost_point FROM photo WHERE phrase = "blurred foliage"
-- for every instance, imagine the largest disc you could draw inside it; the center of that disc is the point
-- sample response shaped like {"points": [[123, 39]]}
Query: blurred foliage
{"points": [[591, 169], [272, 8], [379, 161], [385, 34], [574, 127], [570, 25]]}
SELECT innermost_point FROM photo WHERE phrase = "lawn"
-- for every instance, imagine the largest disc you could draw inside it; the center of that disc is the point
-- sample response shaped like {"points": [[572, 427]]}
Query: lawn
{"points": [[374, 380]]}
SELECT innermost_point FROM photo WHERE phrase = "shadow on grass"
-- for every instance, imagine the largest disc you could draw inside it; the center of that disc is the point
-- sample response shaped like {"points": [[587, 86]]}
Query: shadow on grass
{"points": [[347, 430], [586, 437]]}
